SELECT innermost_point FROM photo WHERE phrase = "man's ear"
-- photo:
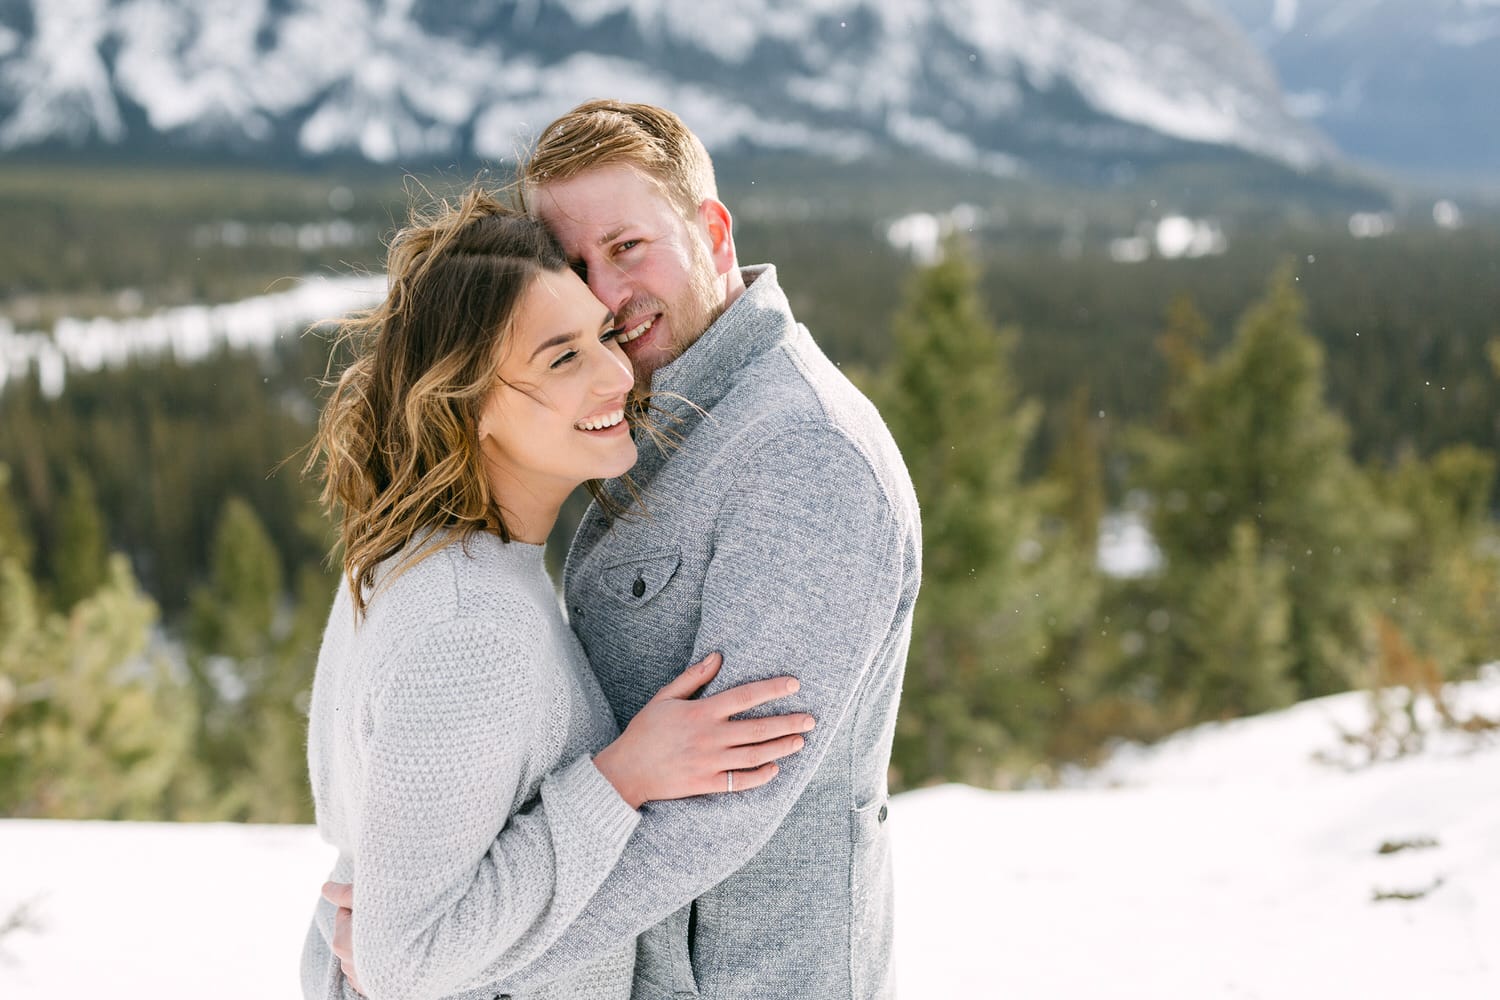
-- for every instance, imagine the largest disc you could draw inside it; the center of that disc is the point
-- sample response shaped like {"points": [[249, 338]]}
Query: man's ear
{"points": [[718, 229]]}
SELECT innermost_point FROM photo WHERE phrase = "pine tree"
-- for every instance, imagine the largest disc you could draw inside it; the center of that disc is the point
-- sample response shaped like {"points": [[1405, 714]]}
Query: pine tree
{"points": [[1078, 472], [251, 662], [79, 564], [996, 580], [1442, 594], [1235, 632], [96, 727], [1250, 441], [1182, 341], [14, 541]]}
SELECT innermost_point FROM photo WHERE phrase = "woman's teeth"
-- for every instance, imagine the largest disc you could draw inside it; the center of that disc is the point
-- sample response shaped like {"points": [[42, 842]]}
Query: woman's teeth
{"points": [[630, 335], [599, 423]]}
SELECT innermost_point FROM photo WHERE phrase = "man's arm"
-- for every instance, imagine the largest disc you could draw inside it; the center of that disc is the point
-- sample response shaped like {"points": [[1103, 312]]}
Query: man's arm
{"points": [[805, 580]]}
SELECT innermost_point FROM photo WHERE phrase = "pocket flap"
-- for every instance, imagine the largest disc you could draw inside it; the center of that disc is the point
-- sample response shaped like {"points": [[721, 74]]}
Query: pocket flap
{"points": [[865, 821], [636, 580]]}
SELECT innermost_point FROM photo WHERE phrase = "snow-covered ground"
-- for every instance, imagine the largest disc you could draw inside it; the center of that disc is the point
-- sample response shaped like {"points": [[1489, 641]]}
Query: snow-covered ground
{"points": [[1227, 862]]}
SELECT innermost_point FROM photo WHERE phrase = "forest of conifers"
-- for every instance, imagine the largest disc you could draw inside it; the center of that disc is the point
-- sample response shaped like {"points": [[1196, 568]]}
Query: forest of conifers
{"points": [[1307, 423]]}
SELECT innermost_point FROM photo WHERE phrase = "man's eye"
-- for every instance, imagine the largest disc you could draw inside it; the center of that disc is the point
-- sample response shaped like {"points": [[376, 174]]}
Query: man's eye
{"points": [[626, 245], [563, 359]]}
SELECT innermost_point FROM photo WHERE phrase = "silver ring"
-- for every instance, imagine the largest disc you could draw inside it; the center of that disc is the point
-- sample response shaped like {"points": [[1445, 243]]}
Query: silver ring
{"points": [[730, 776]]}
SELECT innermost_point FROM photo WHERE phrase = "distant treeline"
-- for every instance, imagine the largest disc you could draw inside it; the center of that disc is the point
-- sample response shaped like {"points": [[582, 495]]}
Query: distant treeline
{"points": [[1307, 423], [1404, 318]]}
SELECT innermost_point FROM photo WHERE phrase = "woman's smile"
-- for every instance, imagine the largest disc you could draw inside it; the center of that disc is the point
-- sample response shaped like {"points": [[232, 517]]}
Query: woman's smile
{"points": [[613, 420]]}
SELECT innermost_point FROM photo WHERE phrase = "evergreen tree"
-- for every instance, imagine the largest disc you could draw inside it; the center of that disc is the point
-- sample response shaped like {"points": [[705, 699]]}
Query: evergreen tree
{"points": [[1182, 341], [79, 563], [277, 789], [95, 726], [997, 583], [14, 542], [251, 663], [1251, 442], [1442, 594], [1077, 471], [1235, 632]]}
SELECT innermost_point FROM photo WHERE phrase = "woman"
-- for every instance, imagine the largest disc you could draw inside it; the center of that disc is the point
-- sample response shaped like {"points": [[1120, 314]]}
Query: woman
{"points": [[463, 759]]}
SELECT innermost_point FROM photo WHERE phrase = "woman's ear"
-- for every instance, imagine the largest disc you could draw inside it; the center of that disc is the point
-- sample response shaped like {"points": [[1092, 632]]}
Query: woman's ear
{"points": [[718, 228], [489, 413]]}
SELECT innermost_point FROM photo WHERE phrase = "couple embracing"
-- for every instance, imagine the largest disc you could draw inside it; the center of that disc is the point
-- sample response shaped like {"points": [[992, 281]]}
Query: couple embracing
{"points": [[738, 597]]}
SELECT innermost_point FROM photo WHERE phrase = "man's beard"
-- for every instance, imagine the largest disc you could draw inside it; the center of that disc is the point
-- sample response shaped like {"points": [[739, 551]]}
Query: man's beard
{"points": [[692, 313]]}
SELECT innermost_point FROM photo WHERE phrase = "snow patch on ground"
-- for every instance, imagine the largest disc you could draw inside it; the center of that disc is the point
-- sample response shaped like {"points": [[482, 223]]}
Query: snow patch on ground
{"points": [[1227, 861]]}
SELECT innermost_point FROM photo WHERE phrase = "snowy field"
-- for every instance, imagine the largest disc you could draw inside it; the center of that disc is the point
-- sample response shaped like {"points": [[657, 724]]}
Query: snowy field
{"points": [[1227, 862]]}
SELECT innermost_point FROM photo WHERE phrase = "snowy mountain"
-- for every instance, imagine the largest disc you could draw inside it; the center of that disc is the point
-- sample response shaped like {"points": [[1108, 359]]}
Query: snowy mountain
{"points": [[996, 85], [1249, 859], [1407, 84]]}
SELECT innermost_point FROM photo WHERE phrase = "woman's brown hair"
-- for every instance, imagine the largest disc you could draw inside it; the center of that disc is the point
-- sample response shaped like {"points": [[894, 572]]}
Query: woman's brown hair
{"points": [[397, 439]]}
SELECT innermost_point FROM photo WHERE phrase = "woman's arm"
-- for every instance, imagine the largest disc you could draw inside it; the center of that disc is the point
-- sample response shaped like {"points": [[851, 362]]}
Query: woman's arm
{"points": [[446, 901], [674, 747], [448, 882]]}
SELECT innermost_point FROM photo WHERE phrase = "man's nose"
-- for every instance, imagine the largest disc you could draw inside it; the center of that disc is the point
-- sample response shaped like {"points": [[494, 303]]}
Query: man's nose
{"points": [[609, 285]]}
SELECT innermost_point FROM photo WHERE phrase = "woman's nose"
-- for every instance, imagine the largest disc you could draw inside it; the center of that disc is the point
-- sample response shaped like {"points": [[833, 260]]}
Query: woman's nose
{"points": [[614, 374]]}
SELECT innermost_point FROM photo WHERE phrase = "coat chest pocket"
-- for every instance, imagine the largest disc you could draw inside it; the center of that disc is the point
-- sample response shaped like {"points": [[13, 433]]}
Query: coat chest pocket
{"points": [[635, 581]]}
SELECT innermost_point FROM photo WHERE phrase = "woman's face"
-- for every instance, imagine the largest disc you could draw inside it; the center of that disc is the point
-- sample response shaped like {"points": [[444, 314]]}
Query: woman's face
{"points": [[557, 416]]}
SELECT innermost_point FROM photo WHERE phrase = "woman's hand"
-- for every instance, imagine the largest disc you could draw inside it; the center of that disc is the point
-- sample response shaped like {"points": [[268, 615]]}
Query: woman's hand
{"points": [[676, 747]]}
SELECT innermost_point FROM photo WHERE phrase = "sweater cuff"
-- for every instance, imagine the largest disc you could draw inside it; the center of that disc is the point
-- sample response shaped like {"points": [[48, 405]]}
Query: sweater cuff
{"points": [[582, 791]]}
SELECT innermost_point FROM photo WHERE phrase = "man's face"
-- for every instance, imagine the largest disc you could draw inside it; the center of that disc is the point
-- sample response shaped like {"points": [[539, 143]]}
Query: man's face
{"points": [[640, 257]]}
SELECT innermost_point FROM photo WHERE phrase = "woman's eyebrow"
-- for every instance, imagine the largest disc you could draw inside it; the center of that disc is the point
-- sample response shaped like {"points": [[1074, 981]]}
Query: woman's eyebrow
{"points": [[557, 341], [567, 338]]}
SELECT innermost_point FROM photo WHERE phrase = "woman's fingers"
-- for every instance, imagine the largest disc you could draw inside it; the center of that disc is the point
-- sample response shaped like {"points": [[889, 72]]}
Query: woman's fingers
{"points": [[747, 696], [742, 732], [746, 780], [691, 679], [753, 756]]}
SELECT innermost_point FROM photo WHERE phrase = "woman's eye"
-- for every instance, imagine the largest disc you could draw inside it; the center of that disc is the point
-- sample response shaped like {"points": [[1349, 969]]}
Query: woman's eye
{"points": [[626, 245], [563, 359], [609, 335]]}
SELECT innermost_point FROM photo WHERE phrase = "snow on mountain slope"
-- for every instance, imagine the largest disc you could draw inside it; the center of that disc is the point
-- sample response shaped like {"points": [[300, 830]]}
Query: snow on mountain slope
{"points": [[990, 84]]}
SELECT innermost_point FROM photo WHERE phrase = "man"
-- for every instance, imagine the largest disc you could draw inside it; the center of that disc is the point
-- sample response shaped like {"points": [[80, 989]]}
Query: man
{"points": [[781, 529]]}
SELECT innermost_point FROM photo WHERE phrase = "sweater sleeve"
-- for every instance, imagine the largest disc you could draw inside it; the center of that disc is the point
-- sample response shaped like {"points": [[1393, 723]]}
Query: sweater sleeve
{"points": [[446, 882], [803, 581]]}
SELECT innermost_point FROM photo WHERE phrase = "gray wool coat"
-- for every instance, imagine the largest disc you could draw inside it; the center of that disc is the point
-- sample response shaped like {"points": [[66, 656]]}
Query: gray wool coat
{"points": [[782, 531]]}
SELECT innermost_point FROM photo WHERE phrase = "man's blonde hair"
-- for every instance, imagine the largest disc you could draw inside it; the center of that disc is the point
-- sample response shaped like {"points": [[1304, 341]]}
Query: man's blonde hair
{"points": [[609, 133]]}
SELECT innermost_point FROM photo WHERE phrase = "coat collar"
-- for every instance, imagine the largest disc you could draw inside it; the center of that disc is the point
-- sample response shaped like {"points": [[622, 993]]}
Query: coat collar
{"points": [[754, 324]]}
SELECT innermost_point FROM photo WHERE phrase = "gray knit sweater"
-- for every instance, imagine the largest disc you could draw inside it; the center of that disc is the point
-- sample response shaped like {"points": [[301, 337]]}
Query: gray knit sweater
{"points": [[450, 743]]}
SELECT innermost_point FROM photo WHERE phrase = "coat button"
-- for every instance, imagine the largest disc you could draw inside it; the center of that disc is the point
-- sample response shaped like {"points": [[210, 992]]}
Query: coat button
{"points": [[880, 816], [639, 587], [577, 611]]}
